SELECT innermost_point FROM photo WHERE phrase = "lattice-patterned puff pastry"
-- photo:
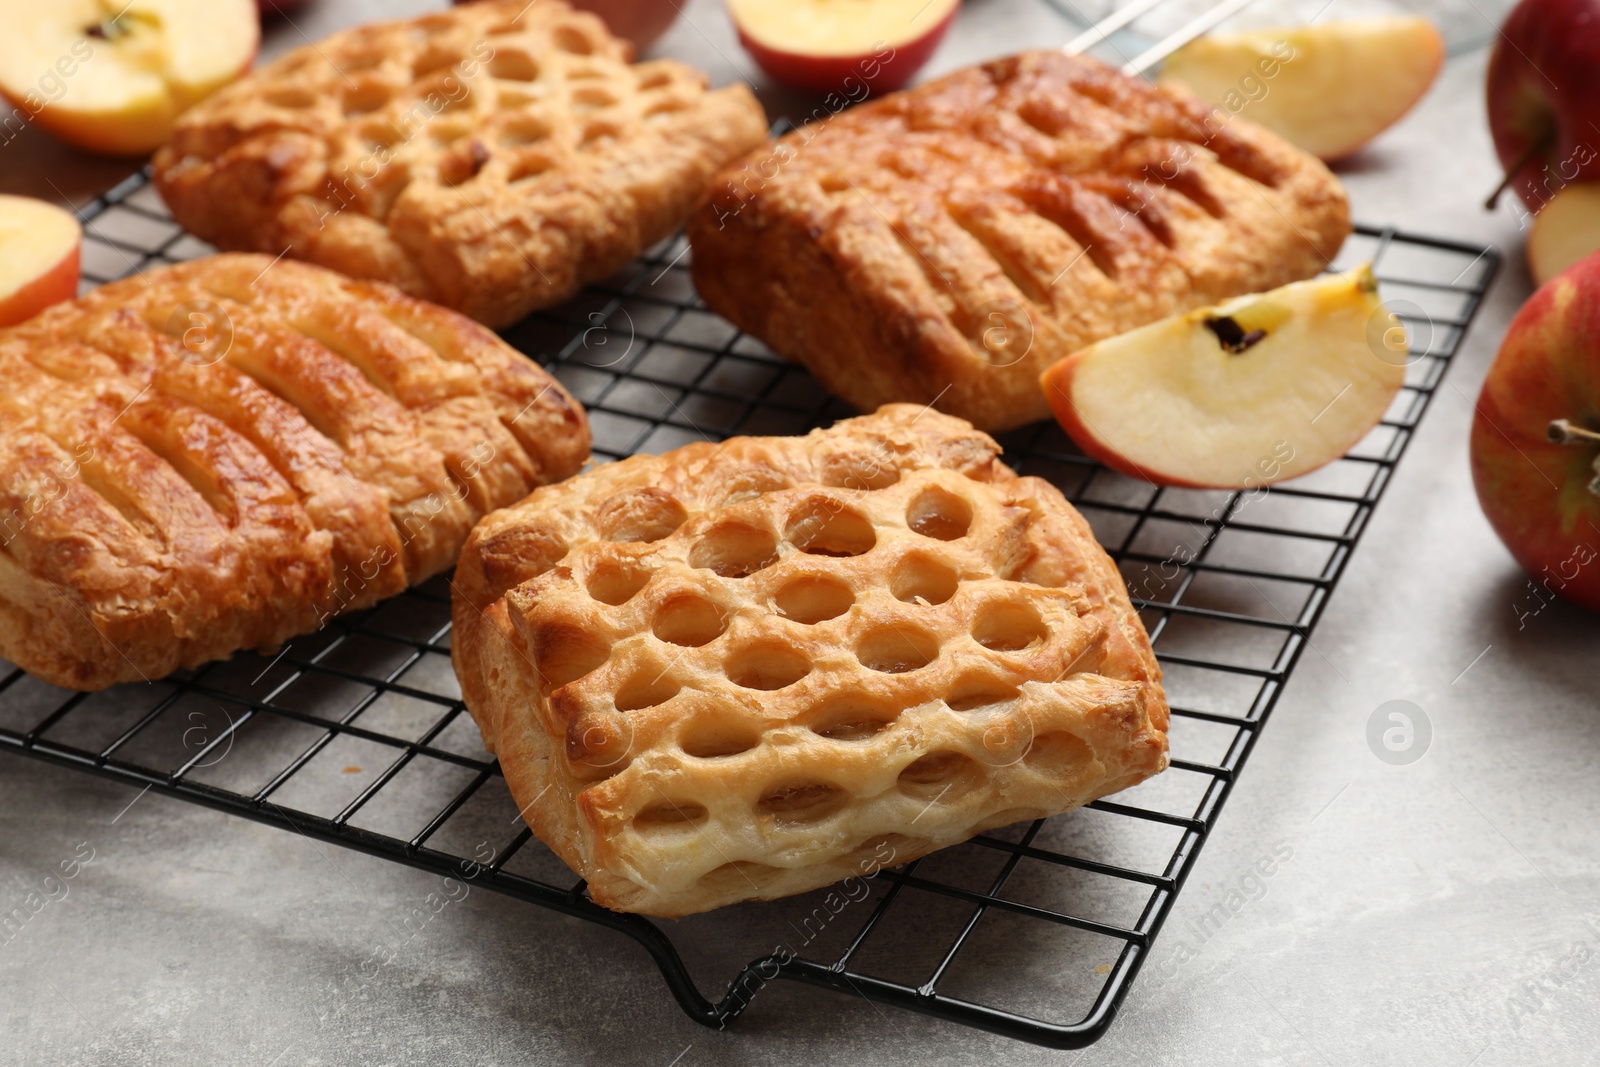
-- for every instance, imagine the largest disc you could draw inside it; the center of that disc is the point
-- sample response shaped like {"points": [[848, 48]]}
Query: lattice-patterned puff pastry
{"points": [[492, 158], [745, 670], [954, 240], [222, 454]]}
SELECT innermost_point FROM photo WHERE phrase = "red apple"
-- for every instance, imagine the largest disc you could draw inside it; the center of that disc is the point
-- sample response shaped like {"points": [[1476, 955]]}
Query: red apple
{"points": [[1544, 97], [38, 257], [1257, 390], [113, 78], [1536, 436], [640, 22], [842, 45]]}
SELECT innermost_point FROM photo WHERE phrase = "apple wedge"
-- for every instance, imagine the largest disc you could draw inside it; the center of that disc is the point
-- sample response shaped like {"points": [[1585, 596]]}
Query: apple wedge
{"points": [[1564, 231], [1256, 390], [39, 245], [111, 76], [1329, 87], [843, 46]]}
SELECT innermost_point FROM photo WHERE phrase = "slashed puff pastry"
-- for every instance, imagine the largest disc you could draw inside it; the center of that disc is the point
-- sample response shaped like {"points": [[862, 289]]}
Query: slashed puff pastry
{"points": [[954, 240], [220, 455], [492, 158], [746, 670]]}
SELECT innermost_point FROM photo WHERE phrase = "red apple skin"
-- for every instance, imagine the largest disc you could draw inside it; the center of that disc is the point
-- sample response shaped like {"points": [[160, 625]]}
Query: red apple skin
{"points": [[1536, 493], [1057, 383], [639, 22], [826, 74], [52, 287], [1544, 81]]}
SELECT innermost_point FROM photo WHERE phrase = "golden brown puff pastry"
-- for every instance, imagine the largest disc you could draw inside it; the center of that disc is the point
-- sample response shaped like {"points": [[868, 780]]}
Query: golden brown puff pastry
{"points": [[492, 158], [223, 454], [745, 670], [954, 240]]}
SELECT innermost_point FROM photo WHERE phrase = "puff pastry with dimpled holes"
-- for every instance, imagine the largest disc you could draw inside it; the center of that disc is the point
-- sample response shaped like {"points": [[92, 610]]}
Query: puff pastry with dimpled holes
{"points": [[492, 158], [746, 670], [218, 456], [948, 243]]}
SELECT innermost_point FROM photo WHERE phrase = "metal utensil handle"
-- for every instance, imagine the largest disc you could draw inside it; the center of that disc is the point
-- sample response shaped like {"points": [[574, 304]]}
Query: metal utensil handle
{"points": [[1182, 36], [1113, 22]]}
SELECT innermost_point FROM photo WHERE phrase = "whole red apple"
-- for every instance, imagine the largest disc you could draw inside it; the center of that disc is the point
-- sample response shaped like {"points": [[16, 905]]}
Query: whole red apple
{"points": [[1536, 437], [1544, 97]]}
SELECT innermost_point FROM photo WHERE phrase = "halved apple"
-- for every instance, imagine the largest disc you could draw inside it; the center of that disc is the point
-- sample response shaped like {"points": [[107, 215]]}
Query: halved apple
{"points": [[1256, 390], [1566, 229], [112, 76], [39, 245], [1328, 87], [842, 45]]}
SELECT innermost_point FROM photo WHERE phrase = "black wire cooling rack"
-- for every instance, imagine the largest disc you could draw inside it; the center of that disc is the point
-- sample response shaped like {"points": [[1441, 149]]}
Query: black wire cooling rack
{"points": [[356, 735]]}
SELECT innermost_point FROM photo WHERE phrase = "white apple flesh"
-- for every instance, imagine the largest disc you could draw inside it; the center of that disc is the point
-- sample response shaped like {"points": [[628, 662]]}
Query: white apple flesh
{"points": [[1328, 87], [1257, 390], [1566, 229], [112, 77]]}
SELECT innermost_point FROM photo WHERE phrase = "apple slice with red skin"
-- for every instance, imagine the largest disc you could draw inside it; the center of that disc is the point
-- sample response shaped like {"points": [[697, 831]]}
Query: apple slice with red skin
{"points": [[1543, 90], [842, 46], [1256, 390], [39, 245], [1536, 436]]}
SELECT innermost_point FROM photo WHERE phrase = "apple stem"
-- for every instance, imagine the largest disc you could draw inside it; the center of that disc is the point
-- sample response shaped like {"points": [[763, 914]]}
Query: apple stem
{"points": [[1563, 432], [1535, 148]]}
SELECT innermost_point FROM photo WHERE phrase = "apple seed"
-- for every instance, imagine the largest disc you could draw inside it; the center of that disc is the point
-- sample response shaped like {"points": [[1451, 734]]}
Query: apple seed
{"points": [[1232, 336]]}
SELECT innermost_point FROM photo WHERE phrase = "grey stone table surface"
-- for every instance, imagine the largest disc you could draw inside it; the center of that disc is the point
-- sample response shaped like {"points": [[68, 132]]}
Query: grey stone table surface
{"points": [[1443, 913]]}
